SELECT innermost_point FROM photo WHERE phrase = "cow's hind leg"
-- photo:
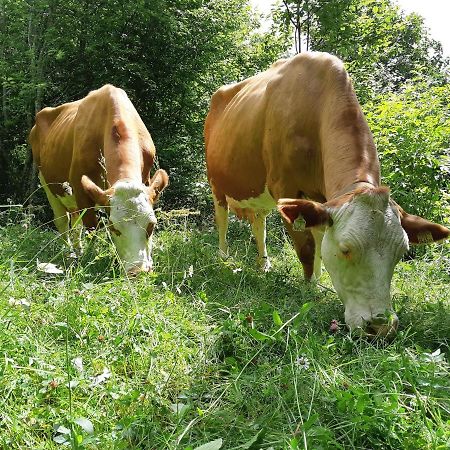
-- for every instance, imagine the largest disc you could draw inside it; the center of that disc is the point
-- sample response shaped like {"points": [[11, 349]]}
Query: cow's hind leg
{"points": [[221, 214], [259, 233], [305, 249]]}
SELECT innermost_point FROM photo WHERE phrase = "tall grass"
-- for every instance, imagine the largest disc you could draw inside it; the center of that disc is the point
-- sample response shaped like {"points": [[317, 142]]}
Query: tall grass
{"points": [[210, 351]]}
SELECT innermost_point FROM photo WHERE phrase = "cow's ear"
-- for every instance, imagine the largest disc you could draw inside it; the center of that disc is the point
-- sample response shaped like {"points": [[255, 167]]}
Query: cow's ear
{"points": [[98, 195], [421, 231], [305, 213], [157, 184]]}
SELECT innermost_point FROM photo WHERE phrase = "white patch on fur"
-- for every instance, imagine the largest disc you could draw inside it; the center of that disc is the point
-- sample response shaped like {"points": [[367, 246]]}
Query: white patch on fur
{"points": [[263, 202], [130, 214], [261, 205], [369, 227]]}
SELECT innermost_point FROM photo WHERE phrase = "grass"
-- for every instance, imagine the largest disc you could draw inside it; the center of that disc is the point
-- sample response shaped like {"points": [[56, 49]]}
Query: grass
{"points": [[206, 351]]}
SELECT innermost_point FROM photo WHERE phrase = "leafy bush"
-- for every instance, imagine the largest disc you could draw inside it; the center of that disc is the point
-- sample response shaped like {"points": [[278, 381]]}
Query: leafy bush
{"points": [[412, 133]]}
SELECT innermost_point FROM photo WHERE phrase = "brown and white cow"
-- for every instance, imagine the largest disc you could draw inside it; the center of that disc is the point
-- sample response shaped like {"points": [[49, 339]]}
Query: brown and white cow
{"points": [[97, 151], [295, 136]]}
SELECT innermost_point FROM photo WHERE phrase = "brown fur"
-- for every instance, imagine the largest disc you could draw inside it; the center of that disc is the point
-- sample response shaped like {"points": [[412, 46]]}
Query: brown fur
{"points": [[421, 231], [73, 139], [281, 127], [313, 213], [297, 128]]}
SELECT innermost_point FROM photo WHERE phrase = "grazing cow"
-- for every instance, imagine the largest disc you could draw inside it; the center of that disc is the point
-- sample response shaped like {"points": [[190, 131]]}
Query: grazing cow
{"points": [[295, 135], [97, 151]]}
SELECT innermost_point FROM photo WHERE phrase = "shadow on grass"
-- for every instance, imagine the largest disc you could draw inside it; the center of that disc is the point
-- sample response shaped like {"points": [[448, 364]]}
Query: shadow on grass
{"points": [[236, 285]]}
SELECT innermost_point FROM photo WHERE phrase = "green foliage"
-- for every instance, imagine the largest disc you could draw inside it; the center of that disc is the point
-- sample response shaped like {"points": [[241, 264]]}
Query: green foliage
{"points": [[381, 46], [412, 133], [205, 353], [168, 55], [210, 352]]}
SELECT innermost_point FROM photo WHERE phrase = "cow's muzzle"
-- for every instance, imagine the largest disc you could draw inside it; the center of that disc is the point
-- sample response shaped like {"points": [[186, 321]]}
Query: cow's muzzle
{"points": [[382, 326], [137, 269]]}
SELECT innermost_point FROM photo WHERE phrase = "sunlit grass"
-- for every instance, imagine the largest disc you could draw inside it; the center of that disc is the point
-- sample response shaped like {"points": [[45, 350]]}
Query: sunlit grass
{"points": [[206, 350]]}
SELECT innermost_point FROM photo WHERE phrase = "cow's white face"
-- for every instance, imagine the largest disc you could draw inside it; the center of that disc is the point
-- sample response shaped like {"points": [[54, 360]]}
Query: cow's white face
{"points": [[131, 215], [132, 219], [360, 250], [365, 235]]}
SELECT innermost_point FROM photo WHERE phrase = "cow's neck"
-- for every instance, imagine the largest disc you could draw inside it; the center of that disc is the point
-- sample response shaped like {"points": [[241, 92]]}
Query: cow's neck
{"points": [[341, 183], [353, 187], [349, 164], [123, 163]]}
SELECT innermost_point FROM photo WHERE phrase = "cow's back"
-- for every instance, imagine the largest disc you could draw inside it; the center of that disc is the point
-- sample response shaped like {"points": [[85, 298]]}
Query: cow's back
{"points": [[82, 137], [274, 132]]}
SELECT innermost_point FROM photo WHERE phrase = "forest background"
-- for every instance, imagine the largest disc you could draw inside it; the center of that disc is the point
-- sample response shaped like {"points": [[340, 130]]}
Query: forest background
{"points": [[171, 55]]}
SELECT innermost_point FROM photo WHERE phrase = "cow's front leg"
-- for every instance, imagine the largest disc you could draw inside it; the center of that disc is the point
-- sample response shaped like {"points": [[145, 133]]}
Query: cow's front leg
{"points": [[318, 236], [304, 247], [259, 233], [76, 233], [60, 213]]}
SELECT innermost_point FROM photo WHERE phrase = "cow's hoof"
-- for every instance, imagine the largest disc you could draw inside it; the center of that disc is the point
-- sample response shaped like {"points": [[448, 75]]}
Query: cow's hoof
{"points": [[264, 264], [73, 257]]}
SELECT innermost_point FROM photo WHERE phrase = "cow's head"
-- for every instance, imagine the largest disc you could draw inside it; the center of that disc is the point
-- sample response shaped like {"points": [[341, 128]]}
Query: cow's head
{"points": [[365, 235], [132, 219]]}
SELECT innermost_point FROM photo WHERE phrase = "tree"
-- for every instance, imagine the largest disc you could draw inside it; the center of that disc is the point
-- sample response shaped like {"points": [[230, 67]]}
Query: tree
{"points": [[168, 55], [381, 46], [411, 131]]}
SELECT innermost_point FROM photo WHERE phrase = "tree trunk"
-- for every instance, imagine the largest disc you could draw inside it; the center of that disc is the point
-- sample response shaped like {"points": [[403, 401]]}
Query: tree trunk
{"points": [[37, 62]]}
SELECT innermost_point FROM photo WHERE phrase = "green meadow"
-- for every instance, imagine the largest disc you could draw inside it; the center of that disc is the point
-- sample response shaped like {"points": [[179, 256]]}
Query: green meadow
{"points": [[208, 354]]}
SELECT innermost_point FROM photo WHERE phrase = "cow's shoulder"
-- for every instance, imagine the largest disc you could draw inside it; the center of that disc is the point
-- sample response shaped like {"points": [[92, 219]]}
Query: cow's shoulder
{"points": [[108, 97], [313, 67], [107, 91], [100, 106]]}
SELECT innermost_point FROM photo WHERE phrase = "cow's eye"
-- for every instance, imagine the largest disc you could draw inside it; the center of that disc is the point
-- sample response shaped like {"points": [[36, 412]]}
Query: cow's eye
{"points": [[345, 250]]}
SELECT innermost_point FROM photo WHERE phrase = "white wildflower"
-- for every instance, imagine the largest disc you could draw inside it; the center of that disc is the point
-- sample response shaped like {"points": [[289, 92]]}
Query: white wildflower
{"points": [[99, 379], [49, 268], [19, 302], [77, 363], [302, 362]]}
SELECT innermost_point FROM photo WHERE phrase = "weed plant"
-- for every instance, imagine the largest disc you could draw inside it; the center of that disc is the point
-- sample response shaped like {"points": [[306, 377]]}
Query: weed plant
{"points": [[205, 353]]}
